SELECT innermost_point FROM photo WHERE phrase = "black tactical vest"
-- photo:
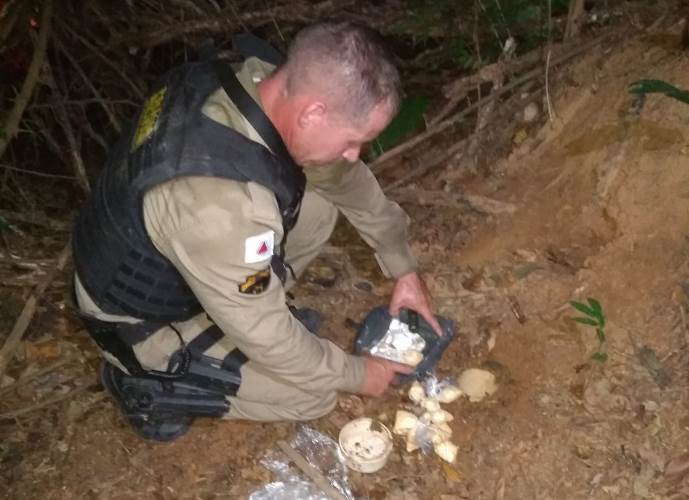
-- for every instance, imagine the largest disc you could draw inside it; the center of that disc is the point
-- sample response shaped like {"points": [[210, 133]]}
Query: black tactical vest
{"points": [[115, 260]]}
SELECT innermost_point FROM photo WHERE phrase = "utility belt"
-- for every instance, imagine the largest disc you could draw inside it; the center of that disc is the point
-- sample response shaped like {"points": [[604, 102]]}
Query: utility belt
{"points": [[193, 384]]}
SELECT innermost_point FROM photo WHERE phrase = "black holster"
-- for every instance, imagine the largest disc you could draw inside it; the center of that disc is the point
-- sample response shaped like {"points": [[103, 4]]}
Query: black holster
{"points": [[167, 398], [193, 385]]}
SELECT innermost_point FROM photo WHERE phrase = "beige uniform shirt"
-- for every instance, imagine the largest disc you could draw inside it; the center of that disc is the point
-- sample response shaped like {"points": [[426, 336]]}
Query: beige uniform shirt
{"points": [[211, 230]]}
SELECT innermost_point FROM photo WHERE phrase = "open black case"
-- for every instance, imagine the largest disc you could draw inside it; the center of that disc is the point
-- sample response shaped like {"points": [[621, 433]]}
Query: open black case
{"points": [[377, 323]]}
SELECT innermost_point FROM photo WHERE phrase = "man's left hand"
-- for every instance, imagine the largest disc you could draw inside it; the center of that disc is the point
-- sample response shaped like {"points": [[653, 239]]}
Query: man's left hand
{"points": [[410, 292]]}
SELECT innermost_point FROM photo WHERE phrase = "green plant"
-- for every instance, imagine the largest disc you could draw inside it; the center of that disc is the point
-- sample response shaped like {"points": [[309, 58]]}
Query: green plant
{"points": [[643, 87], [595, 318], [409, 118]]}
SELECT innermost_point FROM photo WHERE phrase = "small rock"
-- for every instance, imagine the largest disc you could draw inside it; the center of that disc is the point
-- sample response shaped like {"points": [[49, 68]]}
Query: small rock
{"points": [[364, 286], [477, 384], [531, 112], [613, 490], [583, 451], [491, 341], [352, 405], [6, 381], [651, 406], [600, 397], [642, 483], [520, 136], [338, 419], [527, 255]]}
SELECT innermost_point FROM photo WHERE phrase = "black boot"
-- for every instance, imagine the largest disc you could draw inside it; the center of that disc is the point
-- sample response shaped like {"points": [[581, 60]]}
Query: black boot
{"points": [[310, 318], [134, 396]]}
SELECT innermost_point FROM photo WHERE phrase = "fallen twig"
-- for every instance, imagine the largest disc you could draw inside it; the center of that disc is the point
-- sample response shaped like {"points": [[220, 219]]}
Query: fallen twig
{"points": [[440, 198], [426, 166], [310, 471], [8, 349], [547, 89], [37, 174], [36, 220], [28, 264], [39, 373], [47, 402]]}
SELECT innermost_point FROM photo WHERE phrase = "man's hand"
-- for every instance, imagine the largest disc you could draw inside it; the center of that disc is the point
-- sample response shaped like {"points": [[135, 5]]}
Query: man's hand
{"points": [[379, 375], [410, 292]]}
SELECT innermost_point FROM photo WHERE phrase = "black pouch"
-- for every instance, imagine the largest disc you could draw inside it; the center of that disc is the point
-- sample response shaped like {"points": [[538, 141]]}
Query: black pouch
{"points": [[377, 323]]}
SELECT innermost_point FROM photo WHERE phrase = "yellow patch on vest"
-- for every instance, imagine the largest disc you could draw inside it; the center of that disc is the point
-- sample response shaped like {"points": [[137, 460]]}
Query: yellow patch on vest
{"points": [[256, 283], [148, 120]]}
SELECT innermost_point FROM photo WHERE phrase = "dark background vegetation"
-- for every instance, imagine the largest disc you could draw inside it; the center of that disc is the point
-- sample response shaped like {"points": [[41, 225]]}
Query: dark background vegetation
{"points": [[102, 57]]}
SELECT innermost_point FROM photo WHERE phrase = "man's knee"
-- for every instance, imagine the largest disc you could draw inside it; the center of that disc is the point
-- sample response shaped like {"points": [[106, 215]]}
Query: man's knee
{"points": [[313, 229], [325, 229], [316, 222], [300, 409], [320, 407]]}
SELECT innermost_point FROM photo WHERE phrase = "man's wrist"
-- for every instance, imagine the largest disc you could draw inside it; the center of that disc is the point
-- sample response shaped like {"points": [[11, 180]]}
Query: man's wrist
{"points": [[397, 264], [355, 374]]}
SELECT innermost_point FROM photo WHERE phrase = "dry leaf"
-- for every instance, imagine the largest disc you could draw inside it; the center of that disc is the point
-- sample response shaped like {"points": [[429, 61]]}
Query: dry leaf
{"points": [[677, 468], [42, 351], [451, 474]]}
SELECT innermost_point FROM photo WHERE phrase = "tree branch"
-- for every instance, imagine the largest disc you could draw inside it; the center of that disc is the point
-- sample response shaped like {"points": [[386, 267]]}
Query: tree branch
{"points": [[20, 103], [576, 11], [63, 119], [377, 165]]}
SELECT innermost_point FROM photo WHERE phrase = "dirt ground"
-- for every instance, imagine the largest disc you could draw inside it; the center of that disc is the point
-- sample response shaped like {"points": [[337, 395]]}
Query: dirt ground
{"points": [[601, 198]]}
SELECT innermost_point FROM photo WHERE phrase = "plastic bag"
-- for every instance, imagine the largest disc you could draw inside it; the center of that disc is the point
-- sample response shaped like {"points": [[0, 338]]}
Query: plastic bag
{"points": [[433, 386], [424, 431], [321, 452]]}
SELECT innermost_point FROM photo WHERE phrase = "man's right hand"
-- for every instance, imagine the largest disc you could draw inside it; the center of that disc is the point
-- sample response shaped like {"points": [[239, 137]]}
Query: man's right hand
{"points": [[379, 375]]}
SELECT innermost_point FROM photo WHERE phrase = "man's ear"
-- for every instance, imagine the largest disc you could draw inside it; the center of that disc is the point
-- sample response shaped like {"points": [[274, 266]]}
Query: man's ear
{"points": [[312, 114]]}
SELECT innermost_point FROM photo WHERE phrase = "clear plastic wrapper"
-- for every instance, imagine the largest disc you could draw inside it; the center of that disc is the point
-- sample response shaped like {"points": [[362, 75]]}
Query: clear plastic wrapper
{"points": [[429, 429], [423, 436], [323, 453], [288, 487], [433, 386]]}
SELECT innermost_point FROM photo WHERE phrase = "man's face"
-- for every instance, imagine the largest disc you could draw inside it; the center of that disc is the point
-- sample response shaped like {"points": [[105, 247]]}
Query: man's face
{"points": [[324, 137]]}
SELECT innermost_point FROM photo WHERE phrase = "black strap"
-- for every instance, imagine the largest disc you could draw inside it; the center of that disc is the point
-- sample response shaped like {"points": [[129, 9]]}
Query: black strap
{"points": [[233, 361], [109, 338], [205, 340], [262, 124], [249, 45], [252, 111]]}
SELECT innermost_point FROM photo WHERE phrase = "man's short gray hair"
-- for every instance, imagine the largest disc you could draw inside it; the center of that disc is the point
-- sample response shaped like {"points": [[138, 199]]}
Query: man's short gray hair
{"points": [[348, 63]]}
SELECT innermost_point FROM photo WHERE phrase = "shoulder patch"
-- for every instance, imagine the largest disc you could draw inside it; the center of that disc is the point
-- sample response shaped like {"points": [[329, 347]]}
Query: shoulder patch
{"points": [[256, 283], [148, 120], [259, 248]]}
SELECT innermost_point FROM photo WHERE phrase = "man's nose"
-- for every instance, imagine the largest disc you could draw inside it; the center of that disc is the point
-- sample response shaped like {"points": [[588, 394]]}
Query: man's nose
{"points": [[351, 154]]}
